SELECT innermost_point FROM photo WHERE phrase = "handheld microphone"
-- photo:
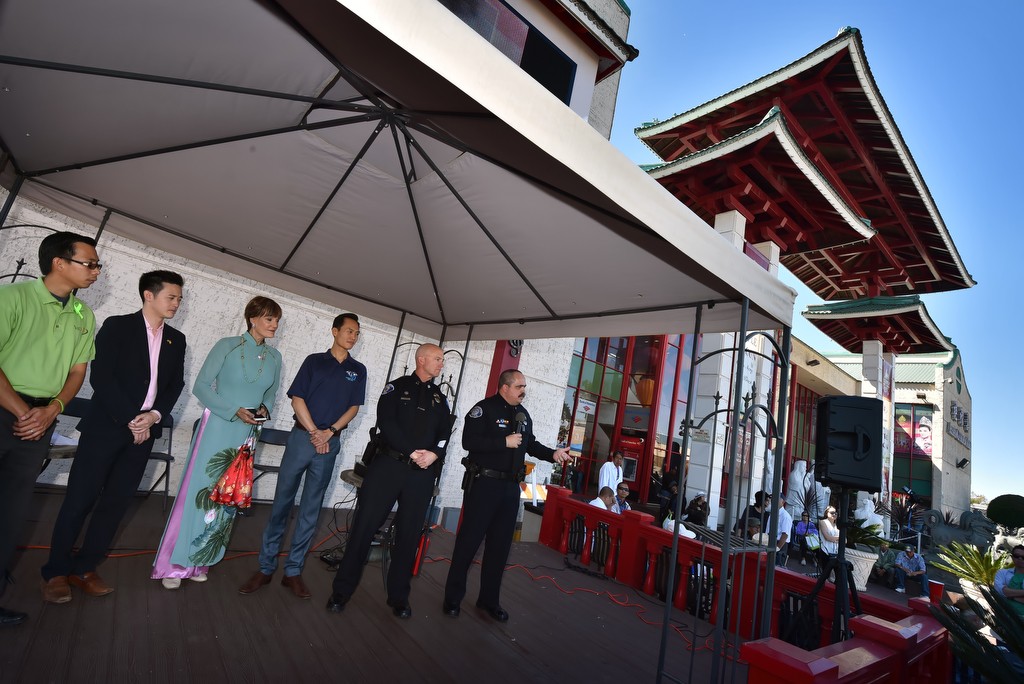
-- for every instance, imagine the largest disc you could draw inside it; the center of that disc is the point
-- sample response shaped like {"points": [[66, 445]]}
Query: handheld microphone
{"points": [[520, 423]]}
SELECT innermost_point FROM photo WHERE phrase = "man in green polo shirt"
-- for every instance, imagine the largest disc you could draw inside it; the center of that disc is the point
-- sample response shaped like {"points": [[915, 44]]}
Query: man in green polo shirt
{"points": [[46, 343]]}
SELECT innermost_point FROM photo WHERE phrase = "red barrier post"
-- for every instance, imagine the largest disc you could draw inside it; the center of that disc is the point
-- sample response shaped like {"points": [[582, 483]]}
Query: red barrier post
{"points": [[633, 548], [551, 523]]}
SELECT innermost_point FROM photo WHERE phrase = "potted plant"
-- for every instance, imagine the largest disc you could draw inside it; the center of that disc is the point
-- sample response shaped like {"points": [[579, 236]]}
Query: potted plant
{"points": [[971, 566], [862, 541], [997, 664]]}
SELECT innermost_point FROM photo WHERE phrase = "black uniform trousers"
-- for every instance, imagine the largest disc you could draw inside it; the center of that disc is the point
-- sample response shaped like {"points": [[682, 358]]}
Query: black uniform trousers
{"points": [[387, 481], [105, 475], [490, 510], [20, 461]]}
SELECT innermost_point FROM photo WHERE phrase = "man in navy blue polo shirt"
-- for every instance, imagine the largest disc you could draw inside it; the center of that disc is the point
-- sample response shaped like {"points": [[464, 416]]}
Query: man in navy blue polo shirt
{"points": [[326, 395]]}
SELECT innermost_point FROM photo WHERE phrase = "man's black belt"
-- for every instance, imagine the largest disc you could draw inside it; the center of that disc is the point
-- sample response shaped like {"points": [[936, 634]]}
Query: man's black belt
{"points": [[501, 474], [35, 402], [399, 456]]}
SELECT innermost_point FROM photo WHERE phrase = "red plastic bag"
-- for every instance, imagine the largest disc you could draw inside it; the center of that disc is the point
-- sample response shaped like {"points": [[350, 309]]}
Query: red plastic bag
{"points": [[234, 488]]}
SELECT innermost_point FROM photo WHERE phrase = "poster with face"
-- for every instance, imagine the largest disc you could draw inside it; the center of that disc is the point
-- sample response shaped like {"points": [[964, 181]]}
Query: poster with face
{"points": [[903, 434], [923, 432]]}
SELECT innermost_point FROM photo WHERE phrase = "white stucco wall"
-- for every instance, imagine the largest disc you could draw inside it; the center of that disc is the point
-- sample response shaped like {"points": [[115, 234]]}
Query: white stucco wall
{"points": [[212, 308]]}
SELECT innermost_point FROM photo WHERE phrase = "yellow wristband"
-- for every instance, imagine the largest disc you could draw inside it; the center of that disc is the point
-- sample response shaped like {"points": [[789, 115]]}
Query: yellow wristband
{"points": [[59, 402]]}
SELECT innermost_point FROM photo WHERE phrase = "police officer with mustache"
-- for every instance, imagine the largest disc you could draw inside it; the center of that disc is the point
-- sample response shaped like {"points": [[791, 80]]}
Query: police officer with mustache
{"points": [[498, 435]]}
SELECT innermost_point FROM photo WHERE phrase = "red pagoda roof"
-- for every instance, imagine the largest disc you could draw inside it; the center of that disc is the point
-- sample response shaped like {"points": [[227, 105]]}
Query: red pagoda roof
{"points": [[764, 174], [833, 109], [901, 324]]}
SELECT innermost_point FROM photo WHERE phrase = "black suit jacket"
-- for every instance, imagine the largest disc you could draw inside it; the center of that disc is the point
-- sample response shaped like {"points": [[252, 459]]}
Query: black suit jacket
{"points": [[120, 373]]}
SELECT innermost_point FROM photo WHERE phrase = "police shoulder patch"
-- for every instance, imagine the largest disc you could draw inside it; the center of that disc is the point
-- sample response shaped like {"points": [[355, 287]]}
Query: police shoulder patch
{"points": [[388, 388], [476, 412]]}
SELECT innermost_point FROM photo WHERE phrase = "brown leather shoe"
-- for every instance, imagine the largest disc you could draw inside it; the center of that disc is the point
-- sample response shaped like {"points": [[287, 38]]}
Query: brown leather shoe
{"points": [[255, 583], [91, 583], [297, 586], [56, 590]]}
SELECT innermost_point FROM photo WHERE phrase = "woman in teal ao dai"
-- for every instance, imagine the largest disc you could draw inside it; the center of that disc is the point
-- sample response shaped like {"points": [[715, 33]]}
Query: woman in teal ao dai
{"points": [[240, 373]]}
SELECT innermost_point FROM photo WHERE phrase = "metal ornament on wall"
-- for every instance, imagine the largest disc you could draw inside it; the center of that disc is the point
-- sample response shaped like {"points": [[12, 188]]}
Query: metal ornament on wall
{"points": [[20, 263], [515, 347]]}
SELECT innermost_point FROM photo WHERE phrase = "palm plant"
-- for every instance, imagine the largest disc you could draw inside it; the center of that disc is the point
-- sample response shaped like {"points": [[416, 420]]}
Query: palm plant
{"points": [[1000, 664], [901, 511], [860, 533], [970, 563]]}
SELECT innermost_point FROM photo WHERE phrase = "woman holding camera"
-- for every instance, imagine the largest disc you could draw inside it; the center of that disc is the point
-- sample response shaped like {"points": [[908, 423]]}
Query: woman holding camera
{"points": [[236, 385]]}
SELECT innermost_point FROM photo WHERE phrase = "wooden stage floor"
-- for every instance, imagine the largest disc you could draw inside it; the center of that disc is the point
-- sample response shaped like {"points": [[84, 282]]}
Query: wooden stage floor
{"points": [[566, 626]]}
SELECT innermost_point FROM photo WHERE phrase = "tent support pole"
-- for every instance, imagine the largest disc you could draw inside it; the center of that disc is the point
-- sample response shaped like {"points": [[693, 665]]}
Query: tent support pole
{"points": [[673, 555], [734, 431], [103, 225], [394, 350], [9, 202]]}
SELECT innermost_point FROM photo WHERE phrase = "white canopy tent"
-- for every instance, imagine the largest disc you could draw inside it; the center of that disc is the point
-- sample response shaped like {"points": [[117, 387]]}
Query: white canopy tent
{"points": [[379, 156]]}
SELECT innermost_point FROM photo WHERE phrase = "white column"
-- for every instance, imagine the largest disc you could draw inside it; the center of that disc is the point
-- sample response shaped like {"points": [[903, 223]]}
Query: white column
{"points": [[771, 252], [733, 227], [871, 386]]}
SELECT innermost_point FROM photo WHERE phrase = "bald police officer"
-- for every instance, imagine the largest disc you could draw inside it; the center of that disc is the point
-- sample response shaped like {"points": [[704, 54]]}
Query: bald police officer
{"points": [[498, 435], [415, 424]]}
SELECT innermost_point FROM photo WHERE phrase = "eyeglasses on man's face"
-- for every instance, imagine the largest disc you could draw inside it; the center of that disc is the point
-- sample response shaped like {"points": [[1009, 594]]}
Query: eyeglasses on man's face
{"points": [[91, 265], [1017, 557]]}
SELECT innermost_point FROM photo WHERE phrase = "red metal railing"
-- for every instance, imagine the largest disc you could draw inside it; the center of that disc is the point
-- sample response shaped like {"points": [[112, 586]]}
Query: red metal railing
{"points": [[891, 642]]}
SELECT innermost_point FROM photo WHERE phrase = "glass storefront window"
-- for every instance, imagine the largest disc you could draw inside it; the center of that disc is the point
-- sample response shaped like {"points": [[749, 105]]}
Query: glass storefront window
{"points": [[612, 387], [683, 385], [590, 381], [581, 437], [617, 353], [574, 372], [596, 349], [565, 424]]}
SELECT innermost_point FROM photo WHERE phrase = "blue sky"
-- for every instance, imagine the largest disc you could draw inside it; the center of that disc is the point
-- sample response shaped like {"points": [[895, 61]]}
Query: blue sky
{"points": [[950, 73]]}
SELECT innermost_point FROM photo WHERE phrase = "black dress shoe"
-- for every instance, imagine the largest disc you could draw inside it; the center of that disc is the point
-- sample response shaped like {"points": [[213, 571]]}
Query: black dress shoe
{"points": [[401, 609], [496, 612], [451, 609], [336, 603], [10, 618]]}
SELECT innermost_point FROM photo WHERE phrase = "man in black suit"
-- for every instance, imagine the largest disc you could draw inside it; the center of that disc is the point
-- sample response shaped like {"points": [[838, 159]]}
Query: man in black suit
{"points": [[137, 376]]}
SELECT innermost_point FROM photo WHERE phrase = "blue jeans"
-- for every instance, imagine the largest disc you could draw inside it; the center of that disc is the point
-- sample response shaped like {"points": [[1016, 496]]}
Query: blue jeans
{"points": [[901, 579], [299, 458]]}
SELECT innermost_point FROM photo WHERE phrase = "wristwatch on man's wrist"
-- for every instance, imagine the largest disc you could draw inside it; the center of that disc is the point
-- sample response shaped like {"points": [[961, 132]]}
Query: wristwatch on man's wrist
{"points": [[333, 429]]}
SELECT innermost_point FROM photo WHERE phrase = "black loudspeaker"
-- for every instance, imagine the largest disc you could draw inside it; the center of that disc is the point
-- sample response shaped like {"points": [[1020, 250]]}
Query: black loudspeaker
{"points": [[848, 449]]}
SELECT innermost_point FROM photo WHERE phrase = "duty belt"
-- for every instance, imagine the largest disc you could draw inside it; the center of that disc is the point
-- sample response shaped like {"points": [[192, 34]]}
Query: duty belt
{"points": [[501, 474], [399, 456]]}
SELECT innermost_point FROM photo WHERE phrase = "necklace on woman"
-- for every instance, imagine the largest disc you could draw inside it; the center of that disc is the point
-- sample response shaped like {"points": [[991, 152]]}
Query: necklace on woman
{"points": [[263, 359]]}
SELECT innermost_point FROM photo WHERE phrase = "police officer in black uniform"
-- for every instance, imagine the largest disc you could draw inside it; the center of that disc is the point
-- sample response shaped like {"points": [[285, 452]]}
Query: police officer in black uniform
{"points": [[415, 424], [498, 435]]}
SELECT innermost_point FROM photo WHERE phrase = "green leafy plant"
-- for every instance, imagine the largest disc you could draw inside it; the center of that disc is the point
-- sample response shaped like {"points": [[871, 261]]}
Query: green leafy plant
{"points": [[900, 511], [968, 562], [861, 534], [997, 664]]}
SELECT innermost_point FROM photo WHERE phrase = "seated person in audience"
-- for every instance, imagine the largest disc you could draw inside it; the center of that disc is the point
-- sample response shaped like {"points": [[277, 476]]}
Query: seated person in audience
{"points": [[884, 569], [754, 533], [622, 497], [805, 529], [698, 510], [606, 500], [909, 564], [1010, 582]]}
